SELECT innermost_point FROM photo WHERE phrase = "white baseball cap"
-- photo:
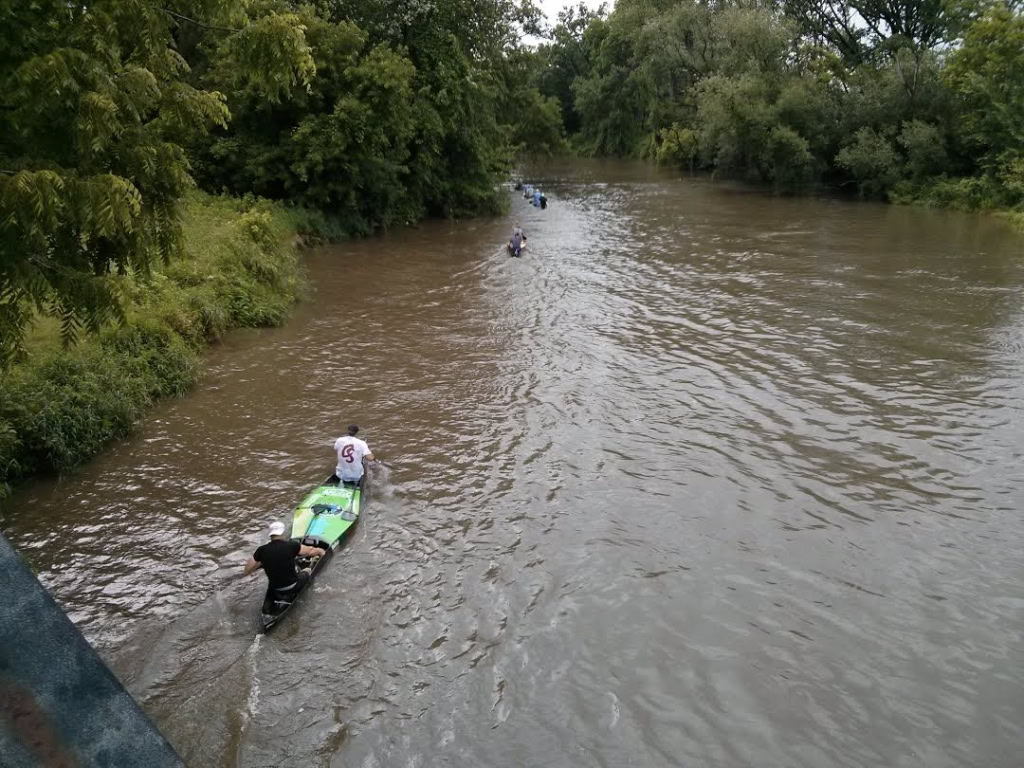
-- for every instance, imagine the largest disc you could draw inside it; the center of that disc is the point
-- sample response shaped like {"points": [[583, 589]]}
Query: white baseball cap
{"points": [[277, 528]]}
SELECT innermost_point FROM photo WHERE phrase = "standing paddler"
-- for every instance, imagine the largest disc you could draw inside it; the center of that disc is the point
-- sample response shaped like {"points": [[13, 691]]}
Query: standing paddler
{"points": [[351, 453]]}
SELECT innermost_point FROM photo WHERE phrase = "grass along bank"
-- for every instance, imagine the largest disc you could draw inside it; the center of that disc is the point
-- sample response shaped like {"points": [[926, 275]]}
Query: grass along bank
{"points": [[62, 405]]}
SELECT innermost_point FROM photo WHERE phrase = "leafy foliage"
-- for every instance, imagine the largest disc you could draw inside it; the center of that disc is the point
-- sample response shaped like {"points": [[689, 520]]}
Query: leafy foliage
{"points": [[567, 58], [94, 112], [375, 113], [987, 75], [63, 405], [913, 99], [405, 115], [368, 114], [677, 146], [872, 161]]}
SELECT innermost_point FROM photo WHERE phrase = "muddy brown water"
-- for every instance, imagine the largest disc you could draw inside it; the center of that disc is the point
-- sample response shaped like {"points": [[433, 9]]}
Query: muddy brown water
{"points": [[707, 478]]}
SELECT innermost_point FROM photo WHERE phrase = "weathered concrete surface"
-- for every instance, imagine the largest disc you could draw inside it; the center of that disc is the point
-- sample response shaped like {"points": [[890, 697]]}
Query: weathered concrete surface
{"points": [[60, 707]]}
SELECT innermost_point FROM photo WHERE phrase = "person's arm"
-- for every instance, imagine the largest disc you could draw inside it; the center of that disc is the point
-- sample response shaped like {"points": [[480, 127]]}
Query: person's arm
{"points": [[367, 453], [305, 551], [251, 566]]}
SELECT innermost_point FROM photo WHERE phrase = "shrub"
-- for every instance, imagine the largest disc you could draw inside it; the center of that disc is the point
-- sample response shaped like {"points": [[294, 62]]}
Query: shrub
{"points": [[61, 406], [68, 407], [10, 449], [790, 159], [924, 148], [872, 161], [678, 147]]}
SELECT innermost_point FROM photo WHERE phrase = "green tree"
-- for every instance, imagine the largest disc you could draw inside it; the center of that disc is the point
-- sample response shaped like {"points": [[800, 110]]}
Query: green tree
{"points": [[987, 75], [340, 145], [567, 58], [539, 127], [860, 29], [408, 114], [678, 146], [94, 111], [924, 147], [908, 99], [789, 160], [613, 100], [872, 160]]}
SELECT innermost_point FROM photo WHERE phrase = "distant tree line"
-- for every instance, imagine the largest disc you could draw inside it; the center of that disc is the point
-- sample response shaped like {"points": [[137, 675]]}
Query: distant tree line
{"points": [[899, 99]]}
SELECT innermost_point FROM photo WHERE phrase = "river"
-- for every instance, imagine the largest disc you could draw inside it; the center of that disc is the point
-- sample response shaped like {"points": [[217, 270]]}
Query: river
{"points": [[707, 478]]}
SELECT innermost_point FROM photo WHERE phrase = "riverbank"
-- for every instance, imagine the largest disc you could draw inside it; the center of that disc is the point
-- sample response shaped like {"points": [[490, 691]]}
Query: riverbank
{"points": [[61, 406]]}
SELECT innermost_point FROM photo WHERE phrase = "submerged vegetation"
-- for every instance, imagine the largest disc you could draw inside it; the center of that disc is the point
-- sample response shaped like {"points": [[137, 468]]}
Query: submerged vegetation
{"points": [[910, 100]]}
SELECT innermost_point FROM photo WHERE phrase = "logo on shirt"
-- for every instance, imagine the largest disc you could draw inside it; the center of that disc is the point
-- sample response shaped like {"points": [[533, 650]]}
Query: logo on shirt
{"points": [[348, 453]]}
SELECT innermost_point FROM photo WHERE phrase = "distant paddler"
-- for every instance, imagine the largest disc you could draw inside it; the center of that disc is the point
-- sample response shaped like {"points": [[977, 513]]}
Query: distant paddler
{"points": [[517, 241], [351, 454]]}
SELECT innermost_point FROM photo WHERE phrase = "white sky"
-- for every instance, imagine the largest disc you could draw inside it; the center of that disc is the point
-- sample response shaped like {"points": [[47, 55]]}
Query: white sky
{"points": [[552, 7]]}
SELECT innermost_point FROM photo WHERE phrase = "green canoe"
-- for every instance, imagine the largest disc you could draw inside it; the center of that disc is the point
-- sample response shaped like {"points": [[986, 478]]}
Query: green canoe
{"points": [[321, 520]]}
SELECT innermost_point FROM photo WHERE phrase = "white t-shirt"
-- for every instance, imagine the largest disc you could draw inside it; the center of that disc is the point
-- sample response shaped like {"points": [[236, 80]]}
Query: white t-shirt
{"points": [[351, 451]]}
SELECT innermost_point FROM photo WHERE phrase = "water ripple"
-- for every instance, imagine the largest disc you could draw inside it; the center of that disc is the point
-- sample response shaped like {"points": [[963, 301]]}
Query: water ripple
{"points": [[705, 478]]}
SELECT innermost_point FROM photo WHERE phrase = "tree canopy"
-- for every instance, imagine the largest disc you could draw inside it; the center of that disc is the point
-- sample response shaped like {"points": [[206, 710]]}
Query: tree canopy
{"points": [[96, 105], [896, 98]]}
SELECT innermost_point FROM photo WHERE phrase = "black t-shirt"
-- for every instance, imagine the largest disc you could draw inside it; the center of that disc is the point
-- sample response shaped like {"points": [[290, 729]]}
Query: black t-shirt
{"points": [[278, 559]]}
